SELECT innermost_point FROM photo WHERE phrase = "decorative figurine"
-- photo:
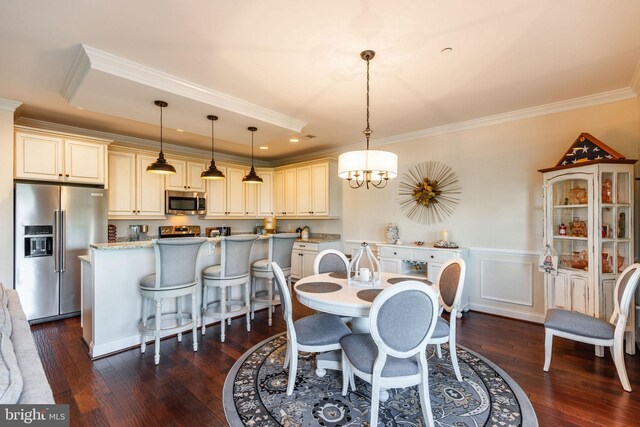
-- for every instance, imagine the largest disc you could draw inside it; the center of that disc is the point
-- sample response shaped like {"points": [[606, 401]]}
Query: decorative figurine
{"points": [[621, 225]]}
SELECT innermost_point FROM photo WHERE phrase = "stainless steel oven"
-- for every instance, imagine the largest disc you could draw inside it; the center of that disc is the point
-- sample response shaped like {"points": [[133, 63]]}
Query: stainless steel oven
{"points": [[186, 203]]}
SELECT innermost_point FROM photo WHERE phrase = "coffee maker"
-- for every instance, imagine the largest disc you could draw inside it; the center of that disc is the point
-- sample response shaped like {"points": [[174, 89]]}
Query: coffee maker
{"points": [[138, 232]]}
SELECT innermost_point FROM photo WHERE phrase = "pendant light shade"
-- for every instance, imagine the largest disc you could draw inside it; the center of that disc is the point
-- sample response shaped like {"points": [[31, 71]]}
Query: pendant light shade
{"points": [[252, 177], [160, 166], [213, 173], [367, 167]]}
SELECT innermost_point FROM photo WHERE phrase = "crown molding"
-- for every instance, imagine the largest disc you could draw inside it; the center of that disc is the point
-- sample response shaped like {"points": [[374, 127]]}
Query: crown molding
{"points": [[9, 105], [90, 58], [635, 81], [541, 110], [133, 142]]}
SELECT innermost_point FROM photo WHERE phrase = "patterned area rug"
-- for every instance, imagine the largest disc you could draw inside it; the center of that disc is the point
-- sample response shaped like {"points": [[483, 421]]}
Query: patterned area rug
{"points": [[255, 394]]}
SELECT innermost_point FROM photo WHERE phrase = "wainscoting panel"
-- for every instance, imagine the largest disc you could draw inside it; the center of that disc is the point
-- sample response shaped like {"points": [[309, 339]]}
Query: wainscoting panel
{"points": [[507, 281]]}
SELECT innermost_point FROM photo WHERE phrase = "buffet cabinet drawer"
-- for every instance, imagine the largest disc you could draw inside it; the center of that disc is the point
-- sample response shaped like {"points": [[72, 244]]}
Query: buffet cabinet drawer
{"points": [[433, 256], [391, 252]]}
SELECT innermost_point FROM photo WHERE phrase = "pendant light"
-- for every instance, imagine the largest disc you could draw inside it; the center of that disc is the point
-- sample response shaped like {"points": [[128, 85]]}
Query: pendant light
{"points": [[213, 173], [160, 166], [367, 167], [252, 177]]}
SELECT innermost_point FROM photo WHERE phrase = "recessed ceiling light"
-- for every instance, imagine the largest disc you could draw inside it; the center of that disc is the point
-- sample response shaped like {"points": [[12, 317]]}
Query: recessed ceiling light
{"points": [[264, 147], [80, 108], [294, 139], [180, 130], [446, 51], [301, 138]]}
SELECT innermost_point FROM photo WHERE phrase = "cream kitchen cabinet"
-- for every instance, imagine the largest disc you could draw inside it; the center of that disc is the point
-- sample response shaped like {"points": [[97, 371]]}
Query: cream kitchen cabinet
{"points": [[304, 255], [265, 194], [59, 157], [134, 193], [285, 192], [187, 176], [226, 197]]}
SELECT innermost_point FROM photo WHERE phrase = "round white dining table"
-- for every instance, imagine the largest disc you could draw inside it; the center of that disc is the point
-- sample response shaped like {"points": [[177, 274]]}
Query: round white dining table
{"points": [[330, 293]]}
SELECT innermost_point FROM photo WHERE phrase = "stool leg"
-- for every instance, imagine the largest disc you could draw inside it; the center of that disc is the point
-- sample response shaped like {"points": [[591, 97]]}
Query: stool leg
{"points": [[203, 319], [156, 358], [247, 302], [223, 311], [179, 307], [145, 309], [270, 298], [194, 318], [253, 296]]}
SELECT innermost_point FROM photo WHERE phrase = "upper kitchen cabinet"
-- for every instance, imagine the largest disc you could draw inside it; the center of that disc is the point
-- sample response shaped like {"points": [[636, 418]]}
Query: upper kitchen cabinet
{"points": [[226, 197], [134, 193], [187, 176], [315, 191], [50, 156], [285, 192], [265, 193]]}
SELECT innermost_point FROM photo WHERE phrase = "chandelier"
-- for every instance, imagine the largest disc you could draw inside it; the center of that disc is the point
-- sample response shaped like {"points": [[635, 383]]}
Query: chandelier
{"points": [[252, 177], [213, 173], [161, 166], [367, 167]]}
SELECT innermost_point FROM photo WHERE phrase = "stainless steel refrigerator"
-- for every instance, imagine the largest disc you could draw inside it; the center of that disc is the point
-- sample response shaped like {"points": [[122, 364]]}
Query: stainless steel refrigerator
{"points": [[54, 224]]}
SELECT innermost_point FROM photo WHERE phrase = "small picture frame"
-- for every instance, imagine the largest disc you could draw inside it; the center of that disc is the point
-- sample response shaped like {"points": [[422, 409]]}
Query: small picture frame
{"points": [[605, 231]]}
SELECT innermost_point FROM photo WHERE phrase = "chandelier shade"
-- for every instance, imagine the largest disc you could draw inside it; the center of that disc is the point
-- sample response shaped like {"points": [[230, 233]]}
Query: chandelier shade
{"points": [[367, 168], [161, 166], [252, 177]]}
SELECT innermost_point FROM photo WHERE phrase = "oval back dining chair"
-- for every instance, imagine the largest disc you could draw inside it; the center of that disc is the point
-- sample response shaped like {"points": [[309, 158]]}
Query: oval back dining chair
{"points": [[450, 283], [280, 250], [233, 270], [315, 334], [394, 355], [175, 277], [330, 261], [587, 329]]}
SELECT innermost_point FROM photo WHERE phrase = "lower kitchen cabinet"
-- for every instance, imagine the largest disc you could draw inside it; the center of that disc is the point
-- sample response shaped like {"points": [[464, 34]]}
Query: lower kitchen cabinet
{"points": [[304, 254]]}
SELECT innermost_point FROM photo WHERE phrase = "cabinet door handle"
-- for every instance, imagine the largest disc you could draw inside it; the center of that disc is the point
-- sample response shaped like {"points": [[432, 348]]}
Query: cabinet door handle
{"points": [[302, 246]]}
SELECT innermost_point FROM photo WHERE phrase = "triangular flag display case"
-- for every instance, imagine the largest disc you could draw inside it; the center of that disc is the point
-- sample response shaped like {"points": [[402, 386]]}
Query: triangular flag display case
{"points": [[588, 226]]}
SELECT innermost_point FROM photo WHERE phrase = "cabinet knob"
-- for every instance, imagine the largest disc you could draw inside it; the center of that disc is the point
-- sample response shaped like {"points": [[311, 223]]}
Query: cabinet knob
{"points": [[431, 256], [133, 211], [59, 174], [395, 253], [67, 175], [188, 187], [185, 186]]}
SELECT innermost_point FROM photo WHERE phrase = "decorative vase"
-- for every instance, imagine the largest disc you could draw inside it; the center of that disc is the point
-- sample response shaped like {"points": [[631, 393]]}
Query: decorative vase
{"points": [[392, 233]]}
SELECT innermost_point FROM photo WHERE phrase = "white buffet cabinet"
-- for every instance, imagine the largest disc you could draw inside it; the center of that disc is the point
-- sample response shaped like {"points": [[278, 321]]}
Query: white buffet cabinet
{"points": [[420, 261], [304, 255]]}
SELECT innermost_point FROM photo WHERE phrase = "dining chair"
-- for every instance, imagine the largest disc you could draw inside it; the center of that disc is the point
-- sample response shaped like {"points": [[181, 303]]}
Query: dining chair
{"points": [[175, 277], [330, 261], [233, 271], [450, 283], [590, 330], [394, 355], [315, 334], [280, 250]]}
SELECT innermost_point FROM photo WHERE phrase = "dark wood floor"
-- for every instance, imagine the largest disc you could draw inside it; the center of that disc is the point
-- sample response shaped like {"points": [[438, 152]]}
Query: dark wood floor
{"points": [[185, 389]]}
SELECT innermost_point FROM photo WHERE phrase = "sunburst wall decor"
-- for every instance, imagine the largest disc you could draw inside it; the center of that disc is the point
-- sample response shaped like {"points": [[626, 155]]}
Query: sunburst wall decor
{"points": [[429, 192]]}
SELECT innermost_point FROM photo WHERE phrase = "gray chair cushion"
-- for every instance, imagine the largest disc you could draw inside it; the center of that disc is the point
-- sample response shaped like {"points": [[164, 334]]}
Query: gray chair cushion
{"points": [[362, 352], [442, 329], [212, 271], [404, 319], [331, 262], [320, 329], [579, 324], [149, 283], [261, 264], [448, 283], [10, 377]]}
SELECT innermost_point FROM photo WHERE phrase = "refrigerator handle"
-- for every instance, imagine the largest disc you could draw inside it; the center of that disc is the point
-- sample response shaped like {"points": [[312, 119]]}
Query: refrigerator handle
{"points": [[63, 240], [56, 245]]}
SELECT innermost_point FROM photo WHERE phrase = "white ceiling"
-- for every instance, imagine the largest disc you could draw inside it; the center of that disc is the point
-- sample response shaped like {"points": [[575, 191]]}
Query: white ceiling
{"points": [[292, 67]]}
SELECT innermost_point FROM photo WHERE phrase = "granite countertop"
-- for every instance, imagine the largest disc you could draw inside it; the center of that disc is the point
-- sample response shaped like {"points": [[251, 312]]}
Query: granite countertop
{"points": [[320, 238]]}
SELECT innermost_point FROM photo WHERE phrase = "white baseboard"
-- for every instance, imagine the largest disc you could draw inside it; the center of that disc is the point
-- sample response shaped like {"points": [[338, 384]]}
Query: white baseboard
{"points": [[514, 314]]}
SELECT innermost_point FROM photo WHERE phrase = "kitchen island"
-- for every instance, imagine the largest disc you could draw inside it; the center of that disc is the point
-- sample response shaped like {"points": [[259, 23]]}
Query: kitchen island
{"points": [[111, 302]]}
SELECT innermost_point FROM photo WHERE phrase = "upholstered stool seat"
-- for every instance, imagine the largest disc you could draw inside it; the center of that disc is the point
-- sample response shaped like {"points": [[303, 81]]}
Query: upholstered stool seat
{"points": [[280, 249], [321, 329], [576, 323], [233, 271], [362, 351], [175, 277]]}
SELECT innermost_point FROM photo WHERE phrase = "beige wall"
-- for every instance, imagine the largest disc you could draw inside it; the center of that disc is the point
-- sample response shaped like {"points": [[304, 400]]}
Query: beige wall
{"points": [[501, 201], [6, 196]]}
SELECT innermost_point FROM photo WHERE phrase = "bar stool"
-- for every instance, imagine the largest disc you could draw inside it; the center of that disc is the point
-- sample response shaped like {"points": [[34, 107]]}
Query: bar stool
{"points": [[280, 248], [233, 270], [175, 277]]}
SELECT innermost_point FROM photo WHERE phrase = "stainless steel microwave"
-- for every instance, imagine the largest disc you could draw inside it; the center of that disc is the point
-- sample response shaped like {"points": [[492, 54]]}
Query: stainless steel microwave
{"points": [[185, 203]]}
